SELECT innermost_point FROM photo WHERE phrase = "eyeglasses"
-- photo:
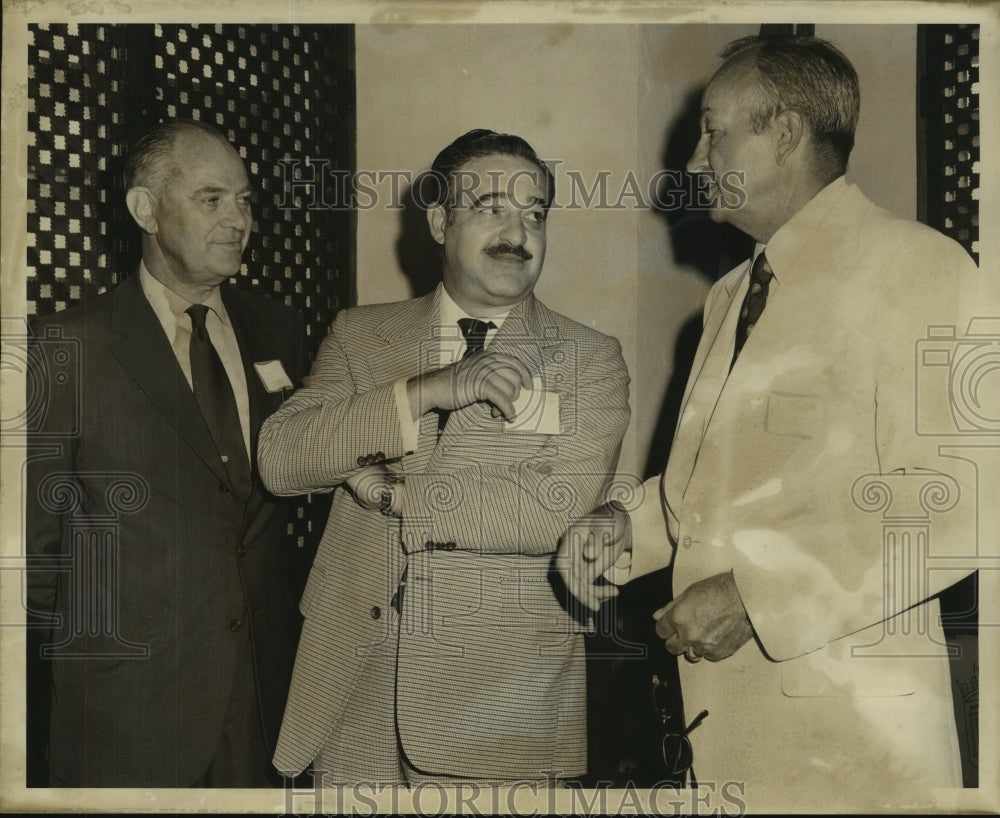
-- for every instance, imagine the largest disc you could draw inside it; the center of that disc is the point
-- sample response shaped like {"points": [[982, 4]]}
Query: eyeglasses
{"points": [[675, 747]]}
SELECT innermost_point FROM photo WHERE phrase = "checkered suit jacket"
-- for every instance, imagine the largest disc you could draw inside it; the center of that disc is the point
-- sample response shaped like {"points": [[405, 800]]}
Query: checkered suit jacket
{"points": [[490, 667]]}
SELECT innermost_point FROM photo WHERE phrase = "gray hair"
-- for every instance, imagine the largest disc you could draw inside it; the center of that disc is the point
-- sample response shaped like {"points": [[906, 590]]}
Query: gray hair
{"points": [[144, 163], [811, 77]]}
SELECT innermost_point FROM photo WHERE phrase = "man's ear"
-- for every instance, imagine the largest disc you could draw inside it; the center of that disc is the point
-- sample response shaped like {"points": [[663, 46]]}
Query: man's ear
{"points": [[142, 205], [437, 219], [789, 131]]}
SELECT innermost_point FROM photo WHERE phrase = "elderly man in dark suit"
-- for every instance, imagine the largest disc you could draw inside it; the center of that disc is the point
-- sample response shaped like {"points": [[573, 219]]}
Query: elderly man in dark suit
{"points": [[459, 432], [173, 633]]}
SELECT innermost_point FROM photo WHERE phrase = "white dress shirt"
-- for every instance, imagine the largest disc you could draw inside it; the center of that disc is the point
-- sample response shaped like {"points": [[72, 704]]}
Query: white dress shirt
{"points": [[170, 310], [451, 348]]}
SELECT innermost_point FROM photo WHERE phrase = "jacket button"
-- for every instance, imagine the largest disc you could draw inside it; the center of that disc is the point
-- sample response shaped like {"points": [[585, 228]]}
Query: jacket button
{"points": [[235, 624], [242, 550], [223, 488], [376, 612]]}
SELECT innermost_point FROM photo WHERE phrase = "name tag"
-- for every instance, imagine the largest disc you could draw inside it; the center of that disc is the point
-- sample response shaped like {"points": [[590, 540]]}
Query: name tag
{"points": [[272, 374], [537, 411]]}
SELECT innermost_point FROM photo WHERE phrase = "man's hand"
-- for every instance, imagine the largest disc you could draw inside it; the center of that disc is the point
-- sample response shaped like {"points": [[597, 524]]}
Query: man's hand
{"points": [[588, 548], [492, 377], [367, 485], [707, 620]]}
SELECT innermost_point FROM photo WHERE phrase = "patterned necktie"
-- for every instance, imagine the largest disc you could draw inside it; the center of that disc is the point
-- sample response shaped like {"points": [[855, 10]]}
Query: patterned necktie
{"points": [[474, 332], [753, 304], [217, 402]]}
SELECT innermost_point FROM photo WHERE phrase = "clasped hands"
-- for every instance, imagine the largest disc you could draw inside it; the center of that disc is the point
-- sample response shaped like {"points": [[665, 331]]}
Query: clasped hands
{"points": [[706, 620]]}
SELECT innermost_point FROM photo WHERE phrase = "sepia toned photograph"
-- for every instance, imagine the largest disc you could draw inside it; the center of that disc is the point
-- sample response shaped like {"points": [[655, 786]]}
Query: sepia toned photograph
{"points": [[500, 408]]}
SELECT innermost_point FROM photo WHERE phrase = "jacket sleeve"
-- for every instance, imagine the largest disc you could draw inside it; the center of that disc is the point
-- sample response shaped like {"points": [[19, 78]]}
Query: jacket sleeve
{"points": [[325, 431], [523, 504]]}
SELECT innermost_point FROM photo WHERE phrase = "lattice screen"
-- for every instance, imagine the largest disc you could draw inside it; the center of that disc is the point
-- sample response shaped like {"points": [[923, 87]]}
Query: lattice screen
{"points": [[277, 92], [948, 185], [950, 109], [76, 212]]}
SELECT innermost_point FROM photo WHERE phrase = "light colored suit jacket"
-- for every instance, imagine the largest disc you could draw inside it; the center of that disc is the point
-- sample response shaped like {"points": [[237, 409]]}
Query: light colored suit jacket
{"points": [[490, 670], [821, 472]]}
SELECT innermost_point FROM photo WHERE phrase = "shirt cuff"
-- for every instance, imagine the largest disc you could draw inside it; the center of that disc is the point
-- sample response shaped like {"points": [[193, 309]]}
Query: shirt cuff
{"points": [[651, 549], [408, 428], [621, 572]]}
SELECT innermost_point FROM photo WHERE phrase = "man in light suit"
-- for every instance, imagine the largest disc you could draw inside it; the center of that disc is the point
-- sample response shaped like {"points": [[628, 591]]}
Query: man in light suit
{"points": [[810, 503], [159, 566], [434, 646]]}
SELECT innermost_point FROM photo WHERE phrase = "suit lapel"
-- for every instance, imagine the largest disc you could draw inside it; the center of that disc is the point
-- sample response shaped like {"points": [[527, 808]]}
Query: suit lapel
{"points": [[145, 353], [257, 345], [704, 389], [408, 338]]}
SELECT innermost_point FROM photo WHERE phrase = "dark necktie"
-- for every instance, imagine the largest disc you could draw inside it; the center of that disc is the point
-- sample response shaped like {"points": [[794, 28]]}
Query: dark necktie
{"points": [[217, 402], [474, 332], [753, 304]]}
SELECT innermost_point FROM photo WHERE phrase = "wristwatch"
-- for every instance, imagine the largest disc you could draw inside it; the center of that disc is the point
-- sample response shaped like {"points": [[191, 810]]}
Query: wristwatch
{"points": [[388, 496], [385, 501]]}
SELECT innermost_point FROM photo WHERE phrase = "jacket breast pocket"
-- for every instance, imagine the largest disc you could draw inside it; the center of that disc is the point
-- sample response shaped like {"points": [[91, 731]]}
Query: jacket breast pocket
{"points": [[794, 415], [835, 672]]}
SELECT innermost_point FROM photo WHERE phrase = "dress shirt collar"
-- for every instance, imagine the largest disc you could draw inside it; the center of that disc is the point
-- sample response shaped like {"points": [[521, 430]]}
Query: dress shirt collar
{"points": [[798, 234], [449, 312], [169, 306]]}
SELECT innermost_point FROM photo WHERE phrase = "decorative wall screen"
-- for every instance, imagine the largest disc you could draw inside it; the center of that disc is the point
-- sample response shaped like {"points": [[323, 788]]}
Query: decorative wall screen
{"points": [[76, 213], [277, 92], [948, 199], [949, 112]]}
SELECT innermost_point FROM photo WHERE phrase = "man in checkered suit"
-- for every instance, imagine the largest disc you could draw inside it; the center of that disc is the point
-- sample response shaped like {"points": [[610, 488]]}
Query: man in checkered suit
{"points": [[434, 645]]}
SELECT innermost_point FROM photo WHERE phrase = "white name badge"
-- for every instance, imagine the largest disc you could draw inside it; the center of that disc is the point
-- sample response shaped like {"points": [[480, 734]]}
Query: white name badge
{"points": [[536, 411], [272, 374]]}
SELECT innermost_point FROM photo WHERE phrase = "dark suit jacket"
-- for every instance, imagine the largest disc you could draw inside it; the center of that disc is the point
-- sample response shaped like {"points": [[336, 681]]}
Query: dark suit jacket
{"points": [[151, 563]]}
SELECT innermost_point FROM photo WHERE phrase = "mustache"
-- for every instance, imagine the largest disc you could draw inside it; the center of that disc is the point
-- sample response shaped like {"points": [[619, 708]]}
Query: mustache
{"points": [[506, 248]]}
